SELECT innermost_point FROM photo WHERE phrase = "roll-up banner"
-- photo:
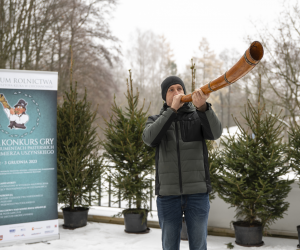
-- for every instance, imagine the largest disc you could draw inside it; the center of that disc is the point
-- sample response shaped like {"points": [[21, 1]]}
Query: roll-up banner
{"points": [[28, 169]]}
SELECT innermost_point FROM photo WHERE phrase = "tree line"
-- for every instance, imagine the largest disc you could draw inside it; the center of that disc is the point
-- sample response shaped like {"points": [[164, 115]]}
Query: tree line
{"points": [[40, 34]]}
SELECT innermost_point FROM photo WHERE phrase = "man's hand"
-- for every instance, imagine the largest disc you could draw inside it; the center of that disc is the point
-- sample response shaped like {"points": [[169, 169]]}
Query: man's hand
{"points": [[12, 111], [199, 99], [176, 104]]}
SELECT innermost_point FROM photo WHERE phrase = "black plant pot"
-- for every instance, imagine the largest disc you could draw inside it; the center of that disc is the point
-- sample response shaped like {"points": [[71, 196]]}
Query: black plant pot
{"points": [[298, 229], [184, 234], [75, 218], [248, 236], [133, 222]]}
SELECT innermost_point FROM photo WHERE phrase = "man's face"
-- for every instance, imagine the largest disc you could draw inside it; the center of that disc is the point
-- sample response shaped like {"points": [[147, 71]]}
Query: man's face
{"points": [[19, 110], [172, 91]]}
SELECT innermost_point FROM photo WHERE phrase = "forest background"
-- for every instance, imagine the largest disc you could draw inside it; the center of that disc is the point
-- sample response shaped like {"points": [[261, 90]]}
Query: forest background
{"points": [[40, 34]]}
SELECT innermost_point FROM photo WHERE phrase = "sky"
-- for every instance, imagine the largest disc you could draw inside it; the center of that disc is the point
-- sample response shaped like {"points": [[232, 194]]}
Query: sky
{"points": [[225, 23]]}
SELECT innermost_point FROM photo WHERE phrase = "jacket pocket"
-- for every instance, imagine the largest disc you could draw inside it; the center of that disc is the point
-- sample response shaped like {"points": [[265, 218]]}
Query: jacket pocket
{"points": [[190, 130]]}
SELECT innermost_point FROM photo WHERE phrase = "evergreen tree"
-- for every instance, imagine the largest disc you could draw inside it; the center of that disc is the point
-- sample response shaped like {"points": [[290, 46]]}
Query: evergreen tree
{"points": [[213, 152], [133, 160], [251, 167], [79, 164], [294, 150]]}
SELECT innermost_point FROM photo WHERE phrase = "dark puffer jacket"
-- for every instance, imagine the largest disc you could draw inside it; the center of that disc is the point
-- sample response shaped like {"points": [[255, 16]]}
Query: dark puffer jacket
{"points": [[181, 153]]}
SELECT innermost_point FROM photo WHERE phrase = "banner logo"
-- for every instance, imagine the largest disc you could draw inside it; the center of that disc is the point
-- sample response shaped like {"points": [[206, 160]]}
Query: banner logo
{"points": [[49, 232], [20, 235], [35, 233], [17, 114]]}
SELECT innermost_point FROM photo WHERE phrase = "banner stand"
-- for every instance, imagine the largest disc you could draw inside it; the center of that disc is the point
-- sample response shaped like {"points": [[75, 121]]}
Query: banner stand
{"points": [[28, 157]]}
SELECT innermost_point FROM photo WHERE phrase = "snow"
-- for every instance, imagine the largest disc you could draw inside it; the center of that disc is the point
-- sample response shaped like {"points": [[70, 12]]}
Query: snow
{"points": [[103, 236], [231, 131]]}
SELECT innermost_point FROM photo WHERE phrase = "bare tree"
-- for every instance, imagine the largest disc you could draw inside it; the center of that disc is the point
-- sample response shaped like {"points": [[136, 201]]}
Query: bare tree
{"points": [[151, 61], [282, 69], [83, 28], [207, 67], [229, 58], [24, 29], [39, 35]]}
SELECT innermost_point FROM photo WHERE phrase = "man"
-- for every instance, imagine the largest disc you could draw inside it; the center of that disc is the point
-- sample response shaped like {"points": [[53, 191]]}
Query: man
{"points": [[182, 180], [17, 117]]}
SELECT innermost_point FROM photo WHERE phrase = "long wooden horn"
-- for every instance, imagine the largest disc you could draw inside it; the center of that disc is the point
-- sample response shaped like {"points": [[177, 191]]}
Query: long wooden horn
{"points": [[248, 61], [4, 102]]}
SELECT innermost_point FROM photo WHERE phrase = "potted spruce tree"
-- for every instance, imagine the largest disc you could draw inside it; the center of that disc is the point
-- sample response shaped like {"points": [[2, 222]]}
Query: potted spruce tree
{"points": [[294, 155], [79, 163], [249, 175], [133, 160]]}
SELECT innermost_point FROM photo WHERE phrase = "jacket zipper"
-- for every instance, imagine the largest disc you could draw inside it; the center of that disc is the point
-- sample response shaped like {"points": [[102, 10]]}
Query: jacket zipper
{"points": [[178, 156]]}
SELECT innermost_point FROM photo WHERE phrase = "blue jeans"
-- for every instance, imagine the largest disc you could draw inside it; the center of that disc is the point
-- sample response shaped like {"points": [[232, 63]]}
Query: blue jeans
{"points": [[195, 208]]}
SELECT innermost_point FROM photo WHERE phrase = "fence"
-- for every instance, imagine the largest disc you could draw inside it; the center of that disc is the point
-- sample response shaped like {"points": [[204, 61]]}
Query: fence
{"points": [[221, 216], [105, 197]]}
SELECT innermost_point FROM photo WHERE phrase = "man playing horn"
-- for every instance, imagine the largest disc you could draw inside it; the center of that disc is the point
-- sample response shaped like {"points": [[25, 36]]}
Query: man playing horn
{"points": [[182, 180]]}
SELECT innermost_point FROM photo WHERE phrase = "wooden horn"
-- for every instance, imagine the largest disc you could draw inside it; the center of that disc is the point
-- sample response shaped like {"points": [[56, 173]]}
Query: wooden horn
{"points": [[248, 61]]}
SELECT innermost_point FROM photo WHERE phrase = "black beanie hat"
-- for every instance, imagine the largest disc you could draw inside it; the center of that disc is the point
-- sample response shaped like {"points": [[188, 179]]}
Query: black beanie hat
{"points": [[168, 82]]}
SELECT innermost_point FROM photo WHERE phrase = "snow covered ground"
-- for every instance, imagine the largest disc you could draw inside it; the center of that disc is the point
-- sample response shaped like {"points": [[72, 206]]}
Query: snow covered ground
{"points": [[102, 236]]}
